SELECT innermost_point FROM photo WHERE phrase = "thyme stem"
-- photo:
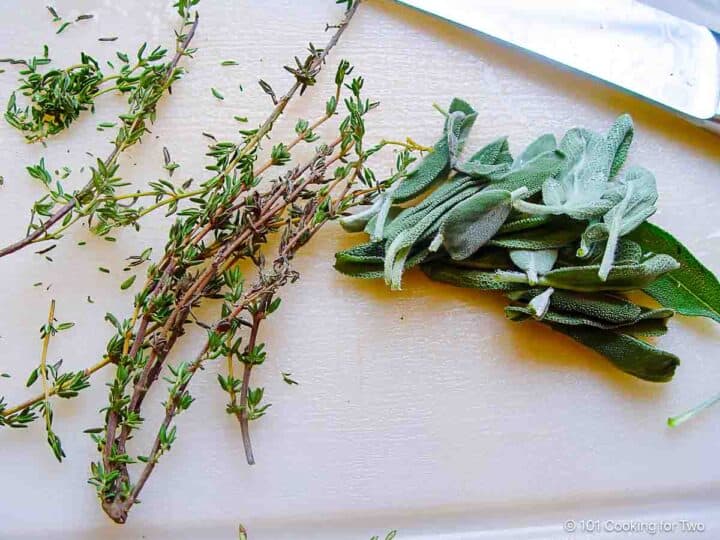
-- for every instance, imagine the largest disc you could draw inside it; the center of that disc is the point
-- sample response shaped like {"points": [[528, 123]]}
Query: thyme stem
{"points": [[53, 390]]}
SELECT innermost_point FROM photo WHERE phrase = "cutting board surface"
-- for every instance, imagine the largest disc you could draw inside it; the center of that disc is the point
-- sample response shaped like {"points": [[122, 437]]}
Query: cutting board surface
{"points": [[423, 410]]}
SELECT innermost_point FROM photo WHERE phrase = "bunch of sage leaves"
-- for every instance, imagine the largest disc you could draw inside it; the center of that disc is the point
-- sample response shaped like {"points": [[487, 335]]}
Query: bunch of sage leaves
{"points": [[561, 229]]}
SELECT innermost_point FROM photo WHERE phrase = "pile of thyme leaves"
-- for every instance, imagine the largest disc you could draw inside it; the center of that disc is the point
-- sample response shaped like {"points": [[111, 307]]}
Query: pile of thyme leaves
{"points": [[560, 229], [56, 102], [227, 224]]}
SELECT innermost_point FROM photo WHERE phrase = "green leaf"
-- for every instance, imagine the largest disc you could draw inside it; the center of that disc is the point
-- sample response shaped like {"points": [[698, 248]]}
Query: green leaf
{"points": [[468, 277], [371, 252], [486, 259], [399, 248], [639, 195], [474, 221], [494, 153], [375, 228], [521, 222], [619, 138], [358, 221], [610, 308], [127, 283], [692, 289], [459, 124], [627, 353], [573, 319], [436, 164], [620, 278], [365, 261], [540, 146], [483, 171], [557, 233], [538, 162], [579, 190], [411, 216]]}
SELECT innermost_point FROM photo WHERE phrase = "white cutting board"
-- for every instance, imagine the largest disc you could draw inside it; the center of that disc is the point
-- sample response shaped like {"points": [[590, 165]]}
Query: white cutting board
{"points": [[423, 410]]}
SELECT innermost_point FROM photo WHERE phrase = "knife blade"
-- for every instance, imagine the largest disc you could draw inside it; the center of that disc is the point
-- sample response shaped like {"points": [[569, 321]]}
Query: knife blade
{"points": [[669, 61]]}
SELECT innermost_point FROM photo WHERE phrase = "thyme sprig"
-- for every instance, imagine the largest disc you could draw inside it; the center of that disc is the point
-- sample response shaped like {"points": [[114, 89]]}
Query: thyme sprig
{"points": [[57, 211], [230, 222], [65, 385]]}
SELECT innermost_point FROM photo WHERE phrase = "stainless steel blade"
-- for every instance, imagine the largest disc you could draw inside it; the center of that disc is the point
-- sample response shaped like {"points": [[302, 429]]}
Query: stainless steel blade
{"points": [[642, 50]]}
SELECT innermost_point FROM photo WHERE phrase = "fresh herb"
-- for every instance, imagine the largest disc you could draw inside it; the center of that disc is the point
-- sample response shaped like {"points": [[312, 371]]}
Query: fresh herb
{"points": [[217, 94], [287, 377], [144, 84], [53, 382], [559, 229], [228, 223], [127, 283], [227, 220]]}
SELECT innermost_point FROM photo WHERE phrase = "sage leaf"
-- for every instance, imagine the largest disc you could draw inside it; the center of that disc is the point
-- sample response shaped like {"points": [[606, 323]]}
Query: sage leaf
{"points": [[470, 224], [358, 221], [486, 171], [375, 229], [436, 164], [581, 182], [540, 161], [559, 232], [627, 353], [638, 204], [647, 328], [371, 267], [620, 278], [486, 259], [540, 146], [538, 308], [580, 188], [491, 160], [692, 289], [468, 277], [521, 222], [399, 248], [534, 262], [370, 252], [610, 308], [410, 216], [458, 126], [496, 152], [619, 138]]}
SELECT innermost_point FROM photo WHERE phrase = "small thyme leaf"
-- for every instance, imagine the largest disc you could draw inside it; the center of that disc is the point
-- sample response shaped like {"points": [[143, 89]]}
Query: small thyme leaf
{"points": [[288, 379], [128, 283], [217, 94], [63, 26]]}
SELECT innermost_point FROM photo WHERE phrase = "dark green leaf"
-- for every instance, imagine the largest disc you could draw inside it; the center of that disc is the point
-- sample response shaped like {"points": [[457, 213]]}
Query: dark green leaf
{"points": [[627, 353], [692, 289], [468, 277], [621, 278]]}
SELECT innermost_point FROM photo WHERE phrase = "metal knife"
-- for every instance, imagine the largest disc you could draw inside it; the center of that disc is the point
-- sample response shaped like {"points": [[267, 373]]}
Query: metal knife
{"points": [[636, 48]]}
